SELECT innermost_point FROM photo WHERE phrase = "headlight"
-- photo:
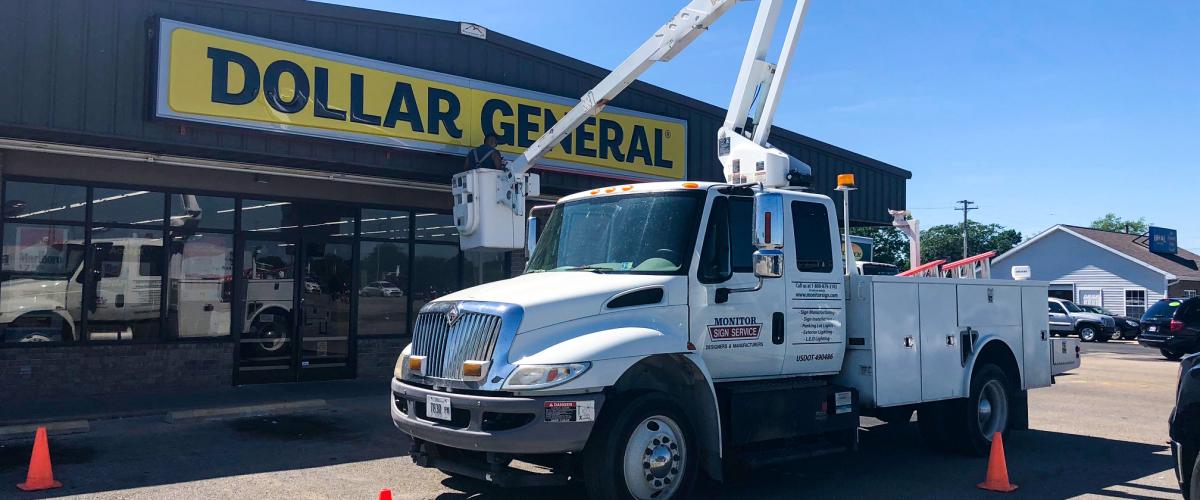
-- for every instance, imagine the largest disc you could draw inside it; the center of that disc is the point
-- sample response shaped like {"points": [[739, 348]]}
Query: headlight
{"points": [[398, 371], [1130, 322], [543, 376]]}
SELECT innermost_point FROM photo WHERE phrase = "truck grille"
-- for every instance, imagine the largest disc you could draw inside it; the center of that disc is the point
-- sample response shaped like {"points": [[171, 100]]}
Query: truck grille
{"points": [[445, 347]]}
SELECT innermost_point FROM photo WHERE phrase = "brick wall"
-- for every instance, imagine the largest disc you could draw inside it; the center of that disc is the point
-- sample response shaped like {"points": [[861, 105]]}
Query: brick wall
{"points": [[377, 356], [1178, 288], [72, 371]]}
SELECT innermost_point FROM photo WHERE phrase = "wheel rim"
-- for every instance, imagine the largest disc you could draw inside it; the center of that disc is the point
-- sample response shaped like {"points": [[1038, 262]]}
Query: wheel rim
{"points": [[992, 410], [1087, 334], [654, 458], [273, 341], [37, 337]]}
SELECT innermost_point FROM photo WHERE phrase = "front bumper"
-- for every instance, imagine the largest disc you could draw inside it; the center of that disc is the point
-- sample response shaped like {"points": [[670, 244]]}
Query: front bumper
{"points": [[501, 424]]}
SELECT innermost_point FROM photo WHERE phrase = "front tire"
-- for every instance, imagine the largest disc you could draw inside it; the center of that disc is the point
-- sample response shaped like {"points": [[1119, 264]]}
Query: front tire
{"points": [[645, 450], [972, 422], [1087, 333]]}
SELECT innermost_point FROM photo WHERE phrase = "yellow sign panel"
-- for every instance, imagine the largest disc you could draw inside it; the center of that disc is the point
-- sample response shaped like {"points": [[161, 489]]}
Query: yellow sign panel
{"points": [[225, 78]]}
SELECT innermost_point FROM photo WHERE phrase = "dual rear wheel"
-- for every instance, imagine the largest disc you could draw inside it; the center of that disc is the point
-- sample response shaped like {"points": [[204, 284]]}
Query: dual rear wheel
{"points": [[967, 425]]}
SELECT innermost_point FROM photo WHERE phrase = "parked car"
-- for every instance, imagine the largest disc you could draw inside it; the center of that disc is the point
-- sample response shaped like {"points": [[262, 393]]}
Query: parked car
{"points": [[1127, 328], [877, 269], [1066, 318], [1172, 326], [1185, 427], [381, 289]]}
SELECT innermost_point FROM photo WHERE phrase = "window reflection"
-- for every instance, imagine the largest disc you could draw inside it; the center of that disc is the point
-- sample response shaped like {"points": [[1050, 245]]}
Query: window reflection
{"points": [[126, 206], [436, 227], [268, 216], [435, 272], [53, 202], [384, 224], [268, 277], [383, 276], [208, 212], [41, 283], [200, 291], [126, 288], [481, 267]]}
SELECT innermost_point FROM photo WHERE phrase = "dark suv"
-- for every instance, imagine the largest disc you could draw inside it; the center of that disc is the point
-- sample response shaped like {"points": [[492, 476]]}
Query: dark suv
{"points": [[1185, 427], [1172, 326]]}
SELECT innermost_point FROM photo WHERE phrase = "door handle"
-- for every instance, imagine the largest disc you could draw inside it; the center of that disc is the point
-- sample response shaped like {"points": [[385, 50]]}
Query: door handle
{"points": [[950, 340], [910, 342], [777, 333]]}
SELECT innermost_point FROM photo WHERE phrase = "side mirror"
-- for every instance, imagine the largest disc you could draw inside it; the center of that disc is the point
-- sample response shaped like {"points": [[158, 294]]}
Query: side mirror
{"points": [[768, 263], [768, 222], [531, 229]]}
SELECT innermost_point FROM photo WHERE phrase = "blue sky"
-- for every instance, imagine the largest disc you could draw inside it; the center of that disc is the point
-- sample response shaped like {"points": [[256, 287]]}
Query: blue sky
{"points": [[1040, 112]]}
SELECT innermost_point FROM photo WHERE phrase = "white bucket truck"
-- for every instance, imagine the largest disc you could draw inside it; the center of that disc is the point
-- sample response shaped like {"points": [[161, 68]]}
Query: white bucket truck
{"points": [[665, 330]]}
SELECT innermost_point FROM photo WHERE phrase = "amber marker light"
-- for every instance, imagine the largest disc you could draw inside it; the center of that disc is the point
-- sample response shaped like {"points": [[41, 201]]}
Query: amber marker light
{"points": [[691, 185], [474, 370], [845, 181], [416, 365]]}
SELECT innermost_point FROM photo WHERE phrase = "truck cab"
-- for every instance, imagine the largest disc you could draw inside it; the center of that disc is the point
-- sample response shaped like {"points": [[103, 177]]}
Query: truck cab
{"points": [[662, 330]]}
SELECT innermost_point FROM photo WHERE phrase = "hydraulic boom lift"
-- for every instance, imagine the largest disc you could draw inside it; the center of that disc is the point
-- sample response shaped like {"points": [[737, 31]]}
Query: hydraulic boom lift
{"points": [[489, 204]]}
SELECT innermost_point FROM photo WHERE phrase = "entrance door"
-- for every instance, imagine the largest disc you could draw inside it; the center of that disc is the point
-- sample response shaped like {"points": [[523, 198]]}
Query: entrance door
{"points": [[296, 290], [324, 322]]}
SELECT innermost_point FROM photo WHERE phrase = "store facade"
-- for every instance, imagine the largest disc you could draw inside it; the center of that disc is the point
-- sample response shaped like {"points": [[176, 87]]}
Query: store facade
{"points": [[207, 193]]}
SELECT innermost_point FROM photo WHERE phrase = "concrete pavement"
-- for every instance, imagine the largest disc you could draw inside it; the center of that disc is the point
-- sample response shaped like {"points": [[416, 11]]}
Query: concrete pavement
{"points": [[1100, 432]]}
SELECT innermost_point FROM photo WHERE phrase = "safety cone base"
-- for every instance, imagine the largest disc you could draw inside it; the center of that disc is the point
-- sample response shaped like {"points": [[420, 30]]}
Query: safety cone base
{"points": [[39, 487], [1009, 488]]}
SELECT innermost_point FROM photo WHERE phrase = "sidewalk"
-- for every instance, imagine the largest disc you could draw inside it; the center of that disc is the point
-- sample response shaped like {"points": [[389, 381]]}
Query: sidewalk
{"points": [[135, 405]]}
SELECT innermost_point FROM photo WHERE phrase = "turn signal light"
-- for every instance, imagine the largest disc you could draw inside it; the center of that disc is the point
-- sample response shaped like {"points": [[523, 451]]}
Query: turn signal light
{"points": [[416, 365], [474, 370]]}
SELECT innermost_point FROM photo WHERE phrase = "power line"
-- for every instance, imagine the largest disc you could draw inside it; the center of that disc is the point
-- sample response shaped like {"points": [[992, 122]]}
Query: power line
{"points": [[966, 208]]}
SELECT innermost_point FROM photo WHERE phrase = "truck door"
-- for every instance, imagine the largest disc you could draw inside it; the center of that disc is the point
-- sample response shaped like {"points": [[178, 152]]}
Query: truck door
{"points": [[816, 308], [1060, 322], [738, 334]]}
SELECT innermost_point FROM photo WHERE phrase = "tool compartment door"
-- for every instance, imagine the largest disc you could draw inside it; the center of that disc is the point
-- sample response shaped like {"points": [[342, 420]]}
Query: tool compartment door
{"points": [[941, 354], [1038, 359], [897, 329]]}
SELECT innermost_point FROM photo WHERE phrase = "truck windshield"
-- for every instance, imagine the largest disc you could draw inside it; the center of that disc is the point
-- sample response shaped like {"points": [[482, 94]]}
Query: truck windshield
{"points": [[642, 233], [57, 262]]}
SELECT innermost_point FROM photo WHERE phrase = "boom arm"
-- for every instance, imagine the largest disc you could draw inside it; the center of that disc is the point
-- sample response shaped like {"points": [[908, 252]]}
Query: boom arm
{"points": [[669, 40]]}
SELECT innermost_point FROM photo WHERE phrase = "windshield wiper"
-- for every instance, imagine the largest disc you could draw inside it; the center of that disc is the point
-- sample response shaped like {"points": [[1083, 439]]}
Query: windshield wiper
{"points": [[589, 267]]}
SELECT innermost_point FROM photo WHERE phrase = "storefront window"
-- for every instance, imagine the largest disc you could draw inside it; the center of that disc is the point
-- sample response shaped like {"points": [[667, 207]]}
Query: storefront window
{"points": [[126, 289], [435, 272], [268, 277], [384, 224], [41, 283], [327, 220], [50, 202], [481, 267], [436, 227], [200, 287], [126, 206], [207, 212], [383, 288], [268, 216]]}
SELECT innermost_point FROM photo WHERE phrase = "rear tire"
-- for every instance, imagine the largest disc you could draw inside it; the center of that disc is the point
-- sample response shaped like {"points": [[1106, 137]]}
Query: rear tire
{"points": [[1171, 355], [1191, 484], [988, 409], [645, 449]]}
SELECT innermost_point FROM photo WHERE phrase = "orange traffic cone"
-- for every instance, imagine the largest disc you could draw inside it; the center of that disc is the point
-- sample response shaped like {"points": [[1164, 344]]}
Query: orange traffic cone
{"points": [[385, 494], [40, 476], [997, 472]]}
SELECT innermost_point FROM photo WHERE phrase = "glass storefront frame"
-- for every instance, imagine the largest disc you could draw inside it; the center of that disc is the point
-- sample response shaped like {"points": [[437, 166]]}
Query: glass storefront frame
{"points": [[410, 240]]}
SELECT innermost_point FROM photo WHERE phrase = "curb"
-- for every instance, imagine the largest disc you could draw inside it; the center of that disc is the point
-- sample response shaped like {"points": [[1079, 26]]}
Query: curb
{"points": [[23, 431], [244, 411]]}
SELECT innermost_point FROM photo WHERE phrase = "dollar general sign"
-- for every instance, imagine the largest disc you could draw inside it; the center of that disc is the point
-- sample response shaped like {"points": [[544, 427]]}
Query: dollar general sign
{"points": [[219, 77]]}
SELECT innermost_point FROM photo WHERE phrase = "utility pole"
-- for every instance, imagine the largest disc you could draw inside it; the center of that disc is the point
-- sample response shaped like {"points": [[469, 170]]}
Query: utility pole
{"points": [[966, 208]]}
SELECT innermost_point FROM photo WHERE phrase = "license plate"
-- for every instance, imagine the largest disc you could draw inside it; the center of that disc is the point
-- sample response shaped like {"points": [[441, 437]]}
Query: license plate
{"points": [[437, 407], [1152, 328]]}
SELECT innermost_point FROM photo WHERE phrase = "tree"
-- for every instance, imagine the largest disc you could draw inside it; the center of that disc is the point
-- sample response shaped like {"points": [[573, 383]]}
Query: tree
{"points": [[945, 241], [891, 245], [1112, 222]]}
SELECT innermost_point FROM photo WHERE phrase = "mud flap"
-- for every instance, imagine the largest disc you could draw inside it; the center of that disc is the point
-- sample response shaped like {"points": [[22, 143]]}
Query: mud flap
{"points": [[1020, 415]]}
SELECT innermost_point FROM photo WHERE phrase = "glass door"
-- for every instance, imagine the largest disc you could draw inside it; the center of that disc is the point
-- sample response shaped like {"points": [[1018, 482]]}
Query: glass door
{"points": [[266, 349], [324, 326]]}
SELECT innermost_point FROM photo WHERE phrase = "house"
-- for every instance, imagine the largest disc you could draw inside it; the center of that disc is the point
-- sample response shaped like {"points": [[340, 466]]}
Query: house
{"points": [[1114, 270]]}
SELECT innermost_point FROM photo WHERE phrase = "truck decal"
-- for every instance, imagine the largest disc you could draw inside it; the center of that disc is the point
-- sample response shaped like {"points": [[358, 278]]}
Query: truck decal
{"points": [[817, 325], [816, 290], [734, 328]]}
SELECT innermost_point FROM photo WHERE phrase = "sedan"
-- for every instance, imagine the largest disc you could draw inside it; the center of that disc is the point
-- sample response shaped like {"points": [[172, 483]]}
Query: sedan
{"points": [[1127, 328]]}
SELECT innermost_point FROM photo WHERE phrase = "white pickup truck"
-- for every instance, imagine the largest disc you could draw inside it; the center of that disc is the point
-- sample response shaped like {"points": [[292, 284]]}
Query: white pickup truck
{"points": [[664, 330]]}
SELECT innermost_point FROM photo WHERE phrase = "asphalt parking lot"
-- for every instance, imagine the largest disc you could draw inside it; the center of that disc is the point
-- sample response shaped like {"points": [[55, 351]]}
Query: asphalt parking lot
{"points": [[1100, 432]]}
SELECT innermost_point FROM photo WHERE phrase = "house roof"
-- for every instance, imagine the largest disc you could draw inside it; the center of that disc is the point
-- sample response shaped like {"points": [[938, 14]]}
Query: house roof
{"points": [[1135, 247]]}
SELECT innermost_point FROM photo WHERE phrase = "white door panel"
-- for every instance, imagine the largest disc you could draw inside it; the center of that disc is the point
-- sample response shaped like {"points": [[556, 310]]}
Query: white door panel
{"points": [[941, 352]]}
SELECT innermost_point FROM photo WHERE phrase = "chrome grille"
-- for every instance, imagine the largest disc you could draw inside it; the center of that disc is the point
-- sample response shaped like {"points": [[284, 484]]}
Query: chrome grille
{"points": [[445, 347]]}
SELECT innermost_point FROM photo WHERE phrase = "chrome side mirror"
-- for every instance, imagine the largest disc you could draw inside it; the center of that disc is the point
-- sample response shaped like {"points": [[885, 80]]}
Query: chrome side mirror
{"points": [[531, 229], [768, 263], [768, 221]]}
